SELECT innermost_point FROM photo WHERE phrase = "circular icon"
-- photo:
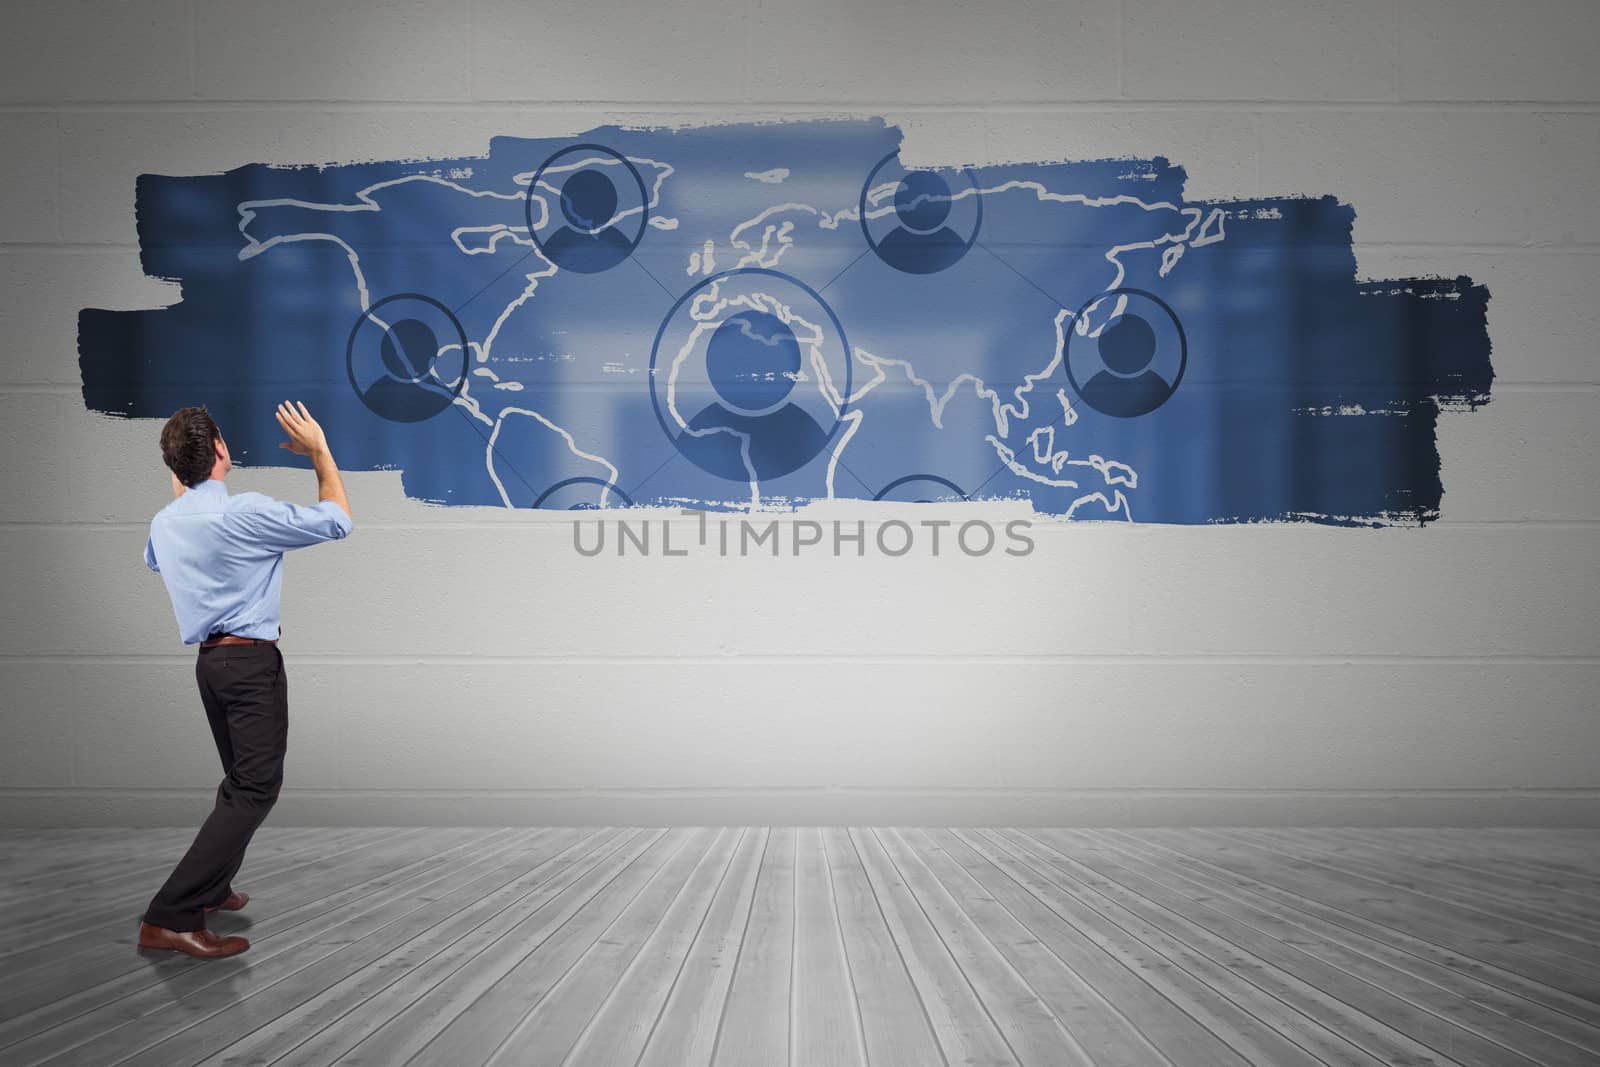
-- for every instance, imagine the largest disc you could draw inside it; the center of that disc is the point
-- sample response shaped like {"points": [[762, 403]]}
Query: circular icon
{"points": [[921, 489], [407, 357], [565, 494], [921, 232], [750, 374], [1125, 353], [587, 238]]}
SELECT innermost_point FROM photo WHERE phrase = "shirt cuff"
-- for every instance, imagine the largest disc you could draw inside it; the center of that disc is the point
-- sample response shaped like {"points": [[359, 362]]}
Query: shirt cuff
{"points": [[341, 520]]}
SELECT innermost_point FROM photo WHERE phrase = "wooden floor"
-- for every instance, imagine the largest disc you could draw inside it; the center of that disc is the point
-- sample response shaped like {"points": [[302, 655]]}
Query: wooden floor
{"points": [[757, 947]]}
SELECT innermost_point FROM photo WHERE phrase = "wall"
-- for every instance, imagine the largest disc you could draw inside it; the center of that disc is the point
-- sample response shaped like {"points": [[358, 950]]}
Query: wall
{"points": [[464, 666]]}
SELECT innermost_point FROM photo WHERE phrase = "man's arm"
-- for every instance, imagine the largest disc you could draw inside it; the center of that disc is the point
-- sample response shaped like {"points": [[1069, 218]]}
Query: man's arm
{"points": [[149, 545], [276, 525], [329, 485], [307, 439]]}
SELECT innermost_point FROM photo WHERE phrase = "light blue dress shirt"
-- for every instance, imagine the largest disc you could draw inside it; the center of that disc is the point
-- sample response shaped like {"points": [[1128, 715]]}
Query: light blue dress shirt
{"points": [[221, 556]]}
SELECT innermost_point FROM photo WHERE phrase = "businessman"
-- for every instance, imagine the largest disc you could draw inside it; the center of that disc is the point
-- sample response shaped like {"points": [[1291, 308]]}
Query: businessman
{"points": [[221, 556]]}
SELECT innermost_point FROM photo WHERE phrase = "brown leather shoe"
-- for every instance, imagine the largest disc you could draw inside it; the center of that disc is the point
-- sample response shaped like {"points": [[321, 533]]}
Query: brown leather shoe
{"points": [[202, 944], [235, 901]]}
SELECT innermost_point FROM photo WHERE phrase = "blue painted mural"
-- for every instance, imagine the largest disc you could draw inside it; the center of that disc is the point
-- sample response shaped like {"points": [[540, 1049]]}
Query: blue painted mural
{"points": [[743, 316]]}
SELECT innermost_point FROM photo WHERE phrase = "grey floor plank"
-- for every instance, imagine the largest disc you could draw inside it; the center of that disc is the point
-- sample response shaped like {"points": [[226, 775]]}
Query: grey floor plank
{"points": [[1450, 1024], [602, 1010], [685, 1034], [44, 842], [1277, 1000], [895, 1027], [115, 901], [962, 1024], [1446, 971], [1421, 918], [137, 867], [1522, 860], [754, 1027], [1031, 1030], [1102, 1031], [630, 1012], [482, 877], [1455, 1002], [30, 874], [1184, 917], [1409, 928], [826, 1025], [684, 947], [1258, 1027], [1544, 949], [1572, 849], [1451, 1027], [421, 1024], [353, 979], [349, 1017], [1179, 1037], [1532, 848], [53, 987], [605, 944], [1572, 935], [116, 907], [1173, 1014], [1489, 873], [177, 1008]]}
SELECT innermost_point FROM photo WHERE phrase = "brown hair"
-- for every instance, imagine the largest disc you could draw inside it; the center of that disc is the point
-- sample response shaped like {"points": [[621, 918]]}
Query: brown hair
{"points": [[186, 445]]}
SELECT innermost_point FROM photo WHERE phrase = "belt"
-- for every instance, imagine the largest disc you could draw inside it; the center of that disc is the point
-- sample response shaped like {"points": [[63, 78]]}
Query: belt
{"points": [[231, 639]]}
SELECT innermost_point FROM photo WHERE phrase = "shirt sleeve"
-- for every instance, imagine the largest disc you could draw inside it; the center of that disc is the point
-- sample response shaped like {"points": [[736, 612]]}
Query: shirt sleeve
{"points": [[150, 555], [278, 526]]}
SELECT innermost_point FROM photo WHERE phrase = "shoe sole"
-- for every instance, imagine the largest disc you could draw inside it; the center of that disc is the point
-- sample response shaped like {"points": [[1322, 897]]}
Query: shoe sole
{"points": [[152, 953]]}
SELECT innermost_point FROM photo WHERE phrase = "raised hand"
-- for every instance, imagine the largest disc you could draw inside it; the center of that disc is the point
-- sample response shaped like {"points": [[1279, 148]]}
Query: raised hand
{"points": [[305, 433]]}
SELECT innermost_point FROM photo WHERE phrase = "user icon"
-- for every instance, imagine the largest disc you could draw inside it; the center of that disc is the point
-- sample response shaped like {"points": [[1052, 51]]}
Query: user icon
{"points": [[922, 243], [931, 227], [407, 358], [583, 493], [753, 362], [1114, 366], [1127, 385], [407, 391], [589, 243], [921, 489], [408, 350]]}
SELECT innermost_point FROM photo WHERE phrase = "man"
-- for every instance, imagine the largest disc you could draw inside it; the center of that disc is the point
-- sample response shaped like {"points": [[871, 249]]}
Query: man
{"points": [[221, 557]]}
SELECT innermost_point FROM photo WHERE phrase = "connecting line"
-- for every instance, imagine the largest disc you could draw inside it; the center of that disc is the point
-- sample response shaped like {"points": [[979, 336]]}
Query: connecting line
{"points": [[634, 491], [1058, 304], [495, 449], [846, 267], [467, 369], [670, 294], [513, 266], [974, 491], [862, 481], [479, 430], [633, 494]]}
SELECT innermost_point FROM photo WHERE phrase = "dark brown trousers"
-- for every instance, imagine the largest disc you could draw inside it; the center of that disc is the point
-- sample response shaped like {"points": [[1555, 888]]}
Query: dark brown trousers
{"points": [[246, 697]]}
